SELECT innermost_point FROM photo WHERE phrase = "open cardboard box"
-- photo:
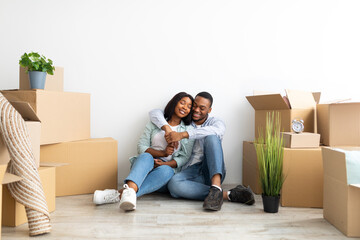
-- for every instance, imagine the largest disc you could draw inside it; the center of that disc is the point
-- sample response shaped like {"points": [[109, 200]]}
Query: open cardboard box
{"points": [[65, 116], [52, 83], [5, 178], [339, 123], [14, 213], [303, 170], [2, 173], [342, 189], [33, 125], [296, 105]]}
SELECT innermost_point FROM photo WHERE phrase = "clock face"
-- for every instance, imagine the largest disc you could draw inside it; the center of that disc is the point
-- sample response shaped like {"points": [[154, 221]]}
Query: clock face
{"points": [[297, 126]]}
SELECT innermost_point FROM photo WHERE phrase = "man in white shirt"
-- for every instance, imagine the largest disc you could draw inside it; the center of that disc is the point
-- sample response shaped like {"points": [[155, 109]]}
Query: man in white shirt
{"points": [[201, 177]]}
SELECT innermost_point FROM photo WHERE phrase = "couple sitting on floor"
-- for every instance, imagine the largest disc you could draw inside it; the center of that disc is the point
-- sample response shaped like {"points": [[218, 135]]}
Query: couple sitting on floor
{"points": [[180, 152]]}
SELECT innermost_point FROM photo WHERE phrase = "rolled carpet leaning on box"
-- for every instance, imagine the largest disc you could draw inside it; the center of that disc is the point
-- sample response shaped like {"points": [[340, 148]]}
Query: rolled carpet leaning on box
{"points": [[29, 191]]}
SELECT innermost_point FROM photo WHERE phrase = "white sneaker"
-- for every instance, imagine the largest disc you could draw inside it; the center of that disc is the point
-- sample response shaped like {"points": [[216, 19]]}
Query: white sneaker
{"points": [[106, 196], [128, 199]]}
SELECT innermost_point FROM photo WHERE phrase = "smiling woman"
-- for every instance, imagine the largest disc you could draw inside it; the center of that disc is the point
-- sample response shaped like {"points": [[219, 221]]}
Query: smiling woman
{"points": [[157, 160]]}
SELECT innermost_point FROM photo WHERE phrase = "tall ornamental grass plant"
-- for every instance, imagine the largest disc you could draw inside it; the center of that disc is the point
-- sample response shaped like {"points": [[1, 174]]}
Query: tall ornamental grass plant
{"points": [[270, 154]]}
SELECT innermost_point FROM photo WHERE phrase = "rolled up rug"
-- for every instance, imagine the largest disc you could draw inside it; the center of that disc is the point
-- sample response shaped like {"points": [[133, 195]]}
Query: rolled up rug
{"points": [[29, 191]]}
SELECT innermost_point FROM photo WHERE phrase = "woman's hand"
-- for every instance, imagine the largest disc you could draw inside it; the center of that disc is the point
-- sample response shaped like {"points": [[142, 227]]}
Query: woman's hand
{"points": [[158, 162], [169, 150]]}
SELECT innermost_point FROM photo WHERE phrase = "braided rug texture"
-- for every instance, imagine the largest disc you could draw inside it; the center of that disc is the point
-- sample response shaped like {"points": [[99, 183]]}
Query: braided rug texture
{"points": [[29, 191]]}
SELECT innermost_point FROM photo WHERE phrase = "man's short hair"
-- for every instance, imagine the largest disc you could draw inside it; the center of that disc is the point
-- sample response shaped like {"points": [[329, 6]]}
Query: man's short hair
{"points": [[206, 95]]}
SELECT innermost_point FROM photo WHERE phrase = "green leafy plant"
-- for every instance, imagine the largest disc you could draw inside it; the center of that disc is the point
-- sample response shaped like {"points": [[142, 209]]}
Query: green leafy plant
{"points": [[36, 62], [270, 154]]}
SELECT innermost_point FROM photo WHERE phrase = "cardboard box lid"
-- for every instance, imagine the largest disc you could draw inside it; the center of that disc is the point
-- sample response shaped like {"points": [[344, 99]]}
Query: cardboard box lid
{"points": [[300, 99], [9, 178], [317, 96], [25, 110], [2, 170], [294, 99], [268, 101], [52, 164], [334, 164]]}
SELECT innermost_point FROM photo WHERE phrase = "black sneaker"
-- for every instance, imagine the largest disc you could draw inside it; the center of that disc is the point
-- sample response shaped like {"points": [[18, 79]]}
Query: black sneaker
{"points": [[242, 194], [214, 199]]}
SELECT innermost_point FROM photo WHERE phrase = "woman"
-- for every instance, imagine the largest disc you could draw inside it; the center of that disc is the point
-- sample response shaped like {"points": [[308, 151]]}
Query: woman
{"points": [[157, 160]]}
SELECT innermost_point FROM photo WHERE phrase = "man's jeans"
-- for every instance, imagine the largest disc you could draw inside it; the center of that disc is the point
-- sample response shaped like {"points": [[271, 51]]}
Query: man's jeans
{"points": [[194, 182], [146, 177]]}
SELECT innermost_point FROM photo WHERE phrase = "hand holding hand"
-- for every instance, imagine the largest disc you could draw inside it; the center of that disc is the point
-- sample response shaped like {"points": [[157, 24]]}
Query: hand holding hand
{"points": [[173, 137], [169, 150], [158, 162]]}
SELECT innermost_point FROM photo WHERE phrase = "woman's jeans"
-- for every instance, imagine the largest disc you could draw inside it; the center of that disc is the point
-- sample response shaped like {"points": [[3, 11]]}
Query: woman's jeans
{"points": [[194, 182], [147, 178]]}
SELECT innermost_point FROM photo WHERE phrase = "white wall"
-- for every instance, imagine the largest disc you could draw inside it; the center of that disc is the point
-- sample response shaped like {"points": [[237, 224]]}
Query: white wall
{"points": [[133, 56]]}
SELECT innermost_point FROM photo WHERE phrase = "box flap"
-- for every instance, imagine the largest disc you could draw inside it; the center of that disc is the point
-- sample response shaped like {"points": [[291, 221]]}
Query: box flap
{"points": [[52, 164], [335, 101], [267, 102], [26, 111], [334, 164], [355, 185], [300, 99], [258, 92], [9, 178], [316, 96], [2, 170]]}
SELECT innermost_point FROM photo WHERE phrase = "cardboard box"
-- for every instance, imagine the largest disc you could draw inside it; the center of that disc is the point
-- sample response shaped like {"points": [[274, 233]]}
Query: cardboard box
{"points": [[339, 124], [303, 186], [250, 170], [64, 116], [303, 170], [2, 173], [52, 83], [296, 105], [342, 191], [5, 178], [92, 165], [301, 140], [14, 213], [33, 126]]}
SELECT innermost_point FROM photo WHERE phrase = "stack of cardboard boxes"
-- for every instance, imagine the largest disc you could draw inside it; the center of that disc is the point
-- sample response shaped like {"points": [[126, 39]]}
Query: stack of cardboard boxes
{"points": [[315, 177], [302, 164], [59, 128], [339, 126]]}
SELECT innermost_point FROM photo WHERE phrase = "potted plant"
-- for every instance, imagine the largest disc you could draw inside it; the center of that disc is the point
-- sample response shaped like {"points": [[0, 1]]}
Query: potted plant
{"points": [[37, 66], [270, 154]]}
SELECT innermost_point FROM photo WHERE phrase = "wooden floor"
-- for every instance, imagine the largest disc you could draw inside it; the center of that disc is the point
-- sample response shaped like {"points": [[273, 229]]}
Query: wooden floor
{"points": [[160, 217]]}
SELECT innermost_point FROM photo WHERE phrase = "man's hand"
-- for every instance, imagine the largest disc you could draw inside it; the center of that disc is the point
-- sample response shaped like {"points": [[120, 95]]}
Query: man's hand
{"points": [[175, 136], [166, 128]]}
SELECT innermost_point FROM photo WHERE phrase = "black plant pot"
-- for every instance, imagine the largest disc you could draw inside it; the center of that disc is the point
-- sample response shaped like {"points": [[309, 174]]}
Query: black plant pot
{"points": [[270, 203]]}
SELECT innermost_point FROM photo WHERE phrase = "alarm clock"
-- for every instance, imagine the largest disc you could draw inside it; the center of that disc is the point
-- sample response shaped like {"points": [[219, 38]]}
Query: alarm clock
{"points": [[297, 125]]}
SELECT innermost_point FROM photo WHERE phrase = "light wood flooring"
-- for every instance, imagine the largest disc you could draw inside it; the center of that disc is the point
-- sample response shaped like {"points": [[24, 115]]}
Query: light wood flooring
{"points": [[158, 216]]}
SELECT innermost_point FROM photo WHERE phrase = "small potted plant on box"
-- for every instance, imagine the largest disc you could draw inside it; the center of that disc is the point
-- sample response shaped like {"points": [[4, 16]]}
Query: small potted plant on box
{"points": [[37, 66], [270, 153]]}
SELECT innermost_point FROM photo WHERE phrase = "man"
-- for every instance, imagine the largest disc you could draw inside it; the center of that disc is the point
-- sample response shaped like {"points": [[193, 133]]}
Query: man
{"points": [[202, 176]]}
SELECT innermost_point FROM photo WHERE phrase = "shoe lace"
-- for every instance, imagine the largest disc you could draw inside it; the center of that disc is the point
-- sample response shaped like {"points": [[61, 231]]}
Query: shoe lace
{"points": [[126, 191], [111, 197]]}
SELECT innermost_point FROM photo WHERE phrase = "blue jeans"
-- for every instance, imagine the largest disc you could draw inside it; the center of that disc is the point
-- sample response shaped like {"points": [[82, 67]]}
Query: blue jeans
{"points": [[147, 178], [194, 182]]}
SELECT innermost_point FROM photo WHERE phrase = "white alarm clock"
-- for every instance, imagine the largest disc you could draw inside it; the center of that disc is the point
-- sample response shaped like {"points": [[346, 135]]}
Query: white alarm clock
{"points": [[297, 126]]}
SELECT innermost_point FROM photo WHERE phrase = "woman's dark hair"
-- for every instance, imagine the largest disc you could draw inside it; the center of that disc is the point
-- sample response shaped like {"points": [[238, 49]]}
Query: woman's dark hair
{"points": [[170, 107]]}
